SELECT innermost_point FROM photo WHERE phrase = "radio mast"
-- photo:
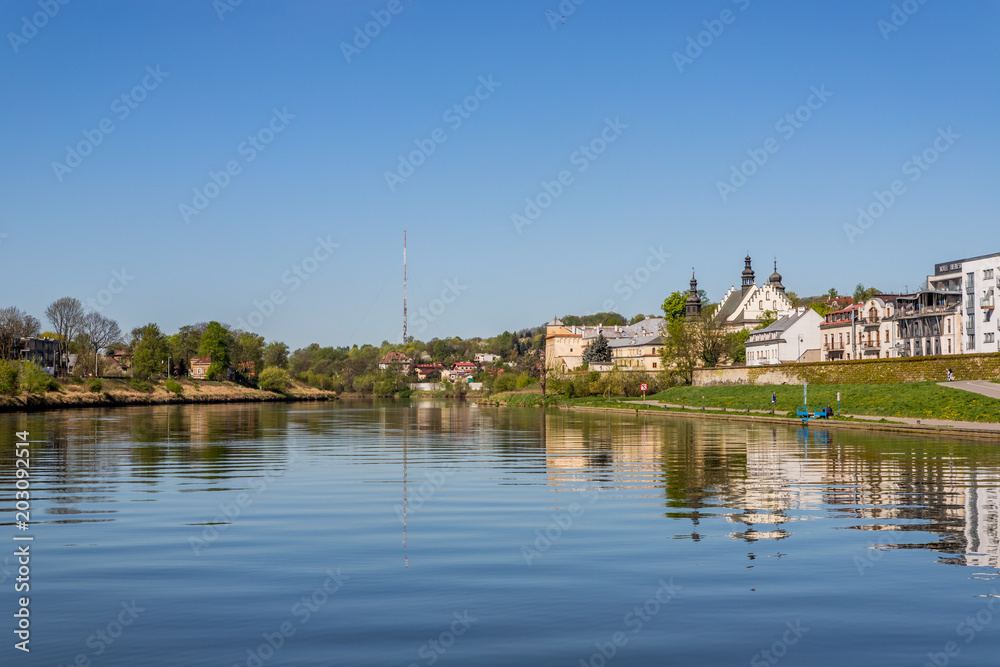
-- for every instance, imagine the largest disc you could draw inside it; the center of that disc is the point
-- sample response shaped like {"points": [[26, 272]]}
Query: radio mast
{"points": [[404, 287]]}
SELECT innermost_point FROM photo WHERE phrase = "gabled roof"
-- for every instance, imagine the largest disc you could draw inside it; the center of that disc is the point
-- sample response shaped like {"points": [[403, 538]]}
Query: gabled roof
{"points": [[395, 357]]}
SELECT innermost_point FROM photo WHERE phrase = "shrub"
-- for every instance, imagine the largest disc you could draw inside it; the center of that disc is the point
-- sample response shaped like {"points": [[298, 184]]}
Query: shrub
{"points": [[174, 386], [140, 385], [273, 379], [9, 381], [35, 380], [523, 380], [95, 385]]}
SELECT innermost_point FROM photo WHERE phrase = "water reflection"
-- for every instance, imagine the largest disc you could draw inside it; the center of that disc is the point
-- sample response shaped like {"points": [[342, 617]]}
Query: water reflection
{"points": [[759, 482]]}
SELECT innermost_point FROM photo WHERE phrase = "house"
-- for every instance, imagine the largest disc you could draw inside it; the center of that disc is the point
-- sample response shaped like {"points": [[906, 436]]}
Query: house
{"points": [[977, 282], [793, 337], [44, 352], [745, 308], [395, 360], [464, 367], [199, 367], [247, 368], [877, 332], [485, 358], [428, 371], [640, 352], [564, 344], [840, 333]]}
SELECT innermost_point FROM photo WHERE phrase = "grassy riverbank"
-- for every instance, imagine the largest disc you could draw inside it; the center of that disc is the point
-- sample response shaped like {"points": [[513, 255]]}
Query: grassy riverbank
{"points": [[919, 400], [122, 391]]}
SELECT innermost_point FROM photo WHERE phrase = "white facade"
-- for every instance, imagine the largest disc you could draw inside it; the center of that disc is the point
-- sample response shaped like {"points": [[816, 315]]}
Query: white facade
{"points": [[980, 291], [876, 330], [793, 337]]}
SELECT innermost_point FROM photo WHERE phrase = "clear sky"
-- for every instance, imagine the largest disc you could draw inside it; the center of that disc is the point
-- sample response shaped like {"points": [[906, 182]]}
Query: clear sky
{"points": [[644, 109]]}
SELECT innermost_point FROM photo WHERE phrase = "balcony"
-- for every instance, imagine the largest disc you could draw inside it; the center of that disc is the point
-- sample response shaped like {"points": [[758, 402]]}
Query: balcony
{"points": [[986, 302], [829, 347]]}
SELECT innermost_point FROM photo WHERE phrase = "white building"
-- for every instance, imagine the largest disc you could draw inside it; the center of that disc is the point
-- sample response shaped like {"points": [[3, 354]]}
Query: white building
{"points": [[980, 286], [744, 308], [793, 337]]}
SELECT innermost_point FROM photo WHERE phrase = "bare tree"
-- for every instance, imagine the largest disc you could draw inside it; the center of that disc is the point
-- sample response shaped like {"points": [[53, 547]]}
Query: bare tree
{"points": [[101, 331], [66, 316], [15, 324]]}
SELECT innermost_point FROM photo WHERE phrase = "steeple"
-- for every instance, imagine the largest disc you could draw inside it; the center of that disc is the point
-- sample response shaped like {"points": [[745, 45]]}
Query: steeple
{"points": [[775, 279], [692, 306], [748, 276]]}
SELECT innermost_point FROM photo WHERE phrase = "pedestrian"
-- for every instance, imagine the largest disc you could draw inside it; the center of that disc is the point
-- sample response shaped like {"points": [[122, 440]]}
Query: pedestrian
{"points": [[951, 376], [774, 400]]}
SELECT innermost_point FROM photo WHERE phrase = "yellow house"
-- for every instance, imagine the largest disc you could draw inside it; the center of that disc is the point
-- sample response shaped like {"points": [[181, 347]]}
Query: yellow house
{"points": [[638, 353]]}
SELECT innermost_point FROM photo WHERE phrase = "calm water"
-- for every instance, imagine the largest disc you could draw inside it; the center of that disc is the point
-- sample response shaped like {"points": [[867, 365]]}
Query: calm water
{"points": [[206, 535]]}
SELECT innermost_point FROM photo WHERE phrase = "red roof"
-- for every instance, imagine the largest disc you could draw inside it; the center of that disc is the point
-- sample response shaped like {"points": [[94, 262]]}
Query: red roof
{"points": [[395, 357], [201, 360]]}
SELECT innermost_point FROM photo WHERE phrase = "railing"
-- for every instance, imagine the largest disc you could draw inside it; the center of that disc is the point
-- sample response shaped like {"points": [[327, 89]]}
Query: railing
{"points": [[986, 302]]}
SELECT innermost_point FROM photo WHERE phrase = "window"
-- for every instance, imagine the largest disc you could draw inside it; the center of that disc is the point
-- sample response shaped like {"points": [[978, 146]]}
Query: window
{"points": [[988, 337], [949, 346], [988, 274], [949, 325]]}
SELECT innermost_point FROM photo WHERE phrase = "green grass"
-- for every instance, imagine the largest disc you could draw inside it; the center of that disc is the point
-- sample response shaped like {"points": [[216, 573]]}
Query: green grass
{"points": [[922, 400]]}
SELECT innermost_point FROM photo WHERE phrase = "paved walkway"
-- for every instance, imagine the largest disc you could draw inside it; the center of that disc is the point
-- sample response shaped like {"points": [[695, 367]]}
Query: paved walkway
{"points": [[984, 387], [941, 423]]}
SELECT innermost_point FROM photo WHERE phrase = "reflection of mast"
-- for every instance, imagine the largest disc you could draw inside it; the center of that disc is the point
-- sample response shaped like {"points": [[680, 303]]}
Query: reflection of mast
{"points": [[404, 287], [405, 559]]}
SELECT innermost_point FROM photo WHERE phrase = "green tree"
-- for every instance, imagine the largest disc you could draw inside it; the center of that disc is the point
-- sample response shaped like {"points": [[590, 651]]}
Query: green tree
{"points": [[149, 351], [736, 345], [185, 344], [862, 293], [216, 343], [637, 318], [681, 350], [276, 355], [674, 306], [274, 379], [66, 316], [832, 294], [767, 318], [247, 351], [597, 350]]}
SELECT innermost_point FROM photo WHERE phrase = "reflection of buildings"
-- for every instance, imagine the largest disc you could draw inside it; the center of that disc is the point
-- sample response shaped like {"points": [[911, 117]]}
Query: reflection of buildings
{"points": [[982, 520]]}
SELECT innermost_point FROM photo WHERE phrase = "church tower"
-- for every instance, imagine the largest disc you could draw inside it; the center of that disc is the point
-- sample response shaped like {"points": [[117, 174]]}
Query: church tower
{"points": [[692, 306], [775, 279], [748, 277]]}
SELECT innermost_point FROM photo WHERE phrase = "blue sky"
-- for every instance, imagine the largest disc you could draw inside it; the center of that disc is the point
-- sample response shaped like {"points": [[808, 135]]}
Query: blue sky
{"points": [[213, 82]]}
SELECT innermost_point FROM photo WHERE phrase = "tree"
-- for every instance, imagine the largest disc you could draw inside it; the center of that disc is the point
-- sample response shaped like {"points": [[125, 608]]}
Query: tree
{"points": [[736, 345], [66, 316], [216, 343], [674, 306], [274, 379], [14, 325], [638, 318], [681, 349], [862, 293], [793, 299], [711, 338], [276, 355], [831, 294], [597, 350], [248, 348], [100, 331], [149, 351], [767, 318]]}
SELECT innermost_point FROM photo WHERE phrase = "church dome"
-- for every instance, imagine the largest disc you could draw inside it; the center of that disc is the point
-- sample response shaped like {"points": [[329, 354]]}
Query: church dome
{"points": [[775, 278]]}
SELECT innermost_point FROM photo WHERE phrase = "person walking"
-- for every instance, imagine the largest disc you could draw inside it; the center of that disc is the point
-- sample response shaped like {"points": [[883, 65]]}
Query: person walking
{"points": [[774, 400]]}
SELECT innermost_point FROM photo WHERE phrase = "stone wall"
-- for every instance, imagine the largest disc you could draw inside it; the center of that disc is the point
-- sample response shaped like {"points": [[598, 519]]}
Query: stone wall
{"points": [[865, 371]]}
